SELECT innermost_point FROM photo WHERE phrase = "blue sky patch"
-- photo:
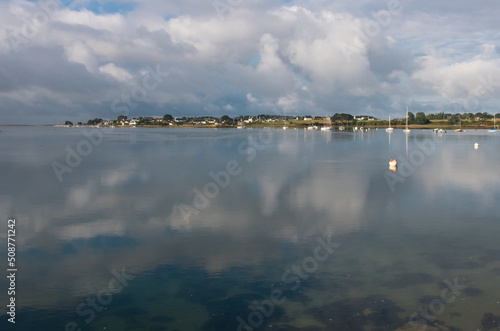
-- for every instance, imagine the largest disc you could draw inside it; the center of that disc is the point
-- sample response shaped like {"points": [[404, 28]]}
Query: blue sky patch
{"points": [[254, 61], [101, 7]]}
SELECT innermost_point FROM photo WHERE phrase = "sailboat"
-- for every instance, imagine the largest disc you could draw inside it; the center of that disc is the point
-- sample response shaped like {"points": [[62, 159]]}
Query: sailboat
{"points": [[460, 129], [327, 127], [495, 129], [285, 126], [389, 129], [406, 130]]}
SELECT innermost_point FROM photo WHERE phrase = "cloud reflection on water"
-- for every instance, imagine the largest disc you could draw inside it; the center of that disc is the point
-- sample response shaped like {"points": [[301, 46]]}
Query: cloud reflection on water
{"points": [[301, 185]]}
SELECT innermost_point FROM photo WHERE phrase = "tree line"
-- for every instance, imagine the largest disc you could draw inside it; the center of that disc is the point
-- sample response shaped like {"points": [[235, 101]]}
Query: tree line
{"points": [[419, 118]]}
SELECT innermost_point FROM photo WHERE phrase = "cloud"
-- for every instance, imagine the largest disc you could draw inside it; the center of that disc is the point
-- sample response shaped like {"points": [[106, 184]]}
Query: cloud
{"points": [[258, 57], [116, 72], [477, 77], [251, 98], [79, 52]]}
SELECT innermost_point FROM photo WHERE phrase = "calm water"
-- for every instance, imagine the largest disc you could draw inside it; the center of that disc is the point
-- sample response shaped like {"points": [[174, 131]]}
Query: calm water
{"points": [[199, 229]]}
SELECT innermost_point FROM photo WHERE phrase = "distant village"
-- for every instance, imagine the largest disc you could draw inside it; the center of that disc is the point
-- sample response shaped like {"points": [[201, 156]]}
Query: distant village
{"points": [[215, 121], [478, 119]]}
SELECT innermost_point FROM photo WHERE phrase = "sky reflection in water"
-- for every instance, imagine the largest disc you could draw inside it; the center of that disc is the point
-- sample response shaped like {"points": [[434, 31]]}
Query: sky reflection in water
{"points": [[121, 208]]}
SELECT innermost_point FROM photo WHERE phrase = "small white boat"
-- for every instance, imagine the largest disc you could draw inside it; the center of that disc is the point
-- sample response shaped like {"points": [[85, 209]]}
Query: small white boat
{"points": [[389, 129], [406, 130], [476, 146], [285, 127], [494, 129], [393, 163], [341, 128], [327, 127], [460, 129]]}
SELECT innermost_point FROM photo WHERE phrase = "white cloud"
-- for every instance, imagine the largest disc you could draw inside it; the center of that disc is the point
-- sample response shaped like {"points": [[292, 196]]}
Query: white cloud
{"points": [[289, 102], [251, 98], [260, 55], [475, 78], [79, 52], [116, 72]]}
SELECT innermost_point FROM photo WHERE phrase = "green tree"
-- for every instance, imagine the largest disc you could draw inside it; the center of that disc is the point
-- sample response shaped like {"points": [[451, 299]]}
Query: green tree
{"points": [[122, 117], [95, 121], [411, 118], [343, 118], [487, 116], [226, 119], [68, 123], [455, 119], [421, 119], [167, 118]]}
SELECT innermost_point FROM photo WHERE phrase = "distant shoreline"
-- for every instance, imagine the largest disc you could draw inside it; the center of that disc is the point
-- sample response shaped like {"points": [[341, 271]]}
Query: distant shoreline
{"points": [[302, 125]]}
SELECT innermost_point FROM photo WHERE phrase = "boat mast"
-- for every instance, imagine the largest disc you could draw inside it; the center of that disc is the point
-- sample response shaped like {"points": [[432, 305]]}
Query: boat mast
{"points": [[406, 118]]}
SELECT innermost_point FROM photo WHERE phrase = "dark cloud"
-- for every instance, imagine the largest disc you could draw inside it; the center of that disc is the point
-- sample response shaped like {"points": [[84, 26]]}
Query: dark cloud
{"points": [[47, 68]]}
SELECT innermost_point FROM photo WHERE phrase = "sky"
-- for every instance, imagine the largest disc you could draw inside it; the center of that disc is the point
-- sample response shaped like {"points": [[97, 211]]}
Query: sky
{"points": [[77, 60]]}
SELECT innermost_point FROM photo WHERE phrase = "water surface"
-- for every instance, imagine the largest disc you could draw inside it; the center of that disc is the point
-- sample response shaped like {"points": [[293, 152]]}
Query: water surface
{"points": [[200, 229]]}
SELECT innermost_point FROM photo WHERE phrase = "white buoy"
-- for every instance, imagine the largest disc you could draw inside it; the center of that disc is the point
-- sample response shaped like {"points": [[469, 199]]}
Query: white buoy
{"points": [[393, 163], [476, 146]]}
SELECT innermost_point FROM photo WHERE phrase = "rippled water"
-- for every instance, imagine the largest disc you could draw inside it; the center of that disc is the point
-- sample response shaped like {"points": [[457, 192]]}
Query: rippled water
{"points": [[200, 229]]}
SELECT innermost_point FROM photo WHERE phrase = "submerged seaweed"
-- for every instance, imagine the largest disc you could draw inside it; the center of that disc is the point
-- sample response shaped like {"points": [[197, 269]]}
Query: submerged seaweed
{"points": [[491, 255], [472, 292], [451, 260], [490, 321], [376, 312]]}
